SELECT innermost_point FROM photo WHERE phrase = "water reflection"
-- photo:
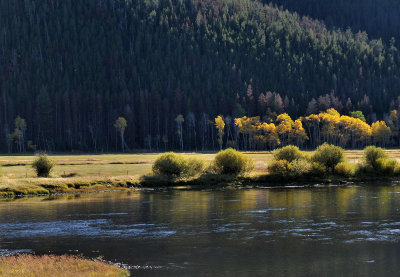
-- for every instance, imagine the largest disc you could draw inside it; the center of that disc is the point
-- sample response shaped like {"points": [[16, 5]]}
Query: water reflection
{"points": [[325, 231]]}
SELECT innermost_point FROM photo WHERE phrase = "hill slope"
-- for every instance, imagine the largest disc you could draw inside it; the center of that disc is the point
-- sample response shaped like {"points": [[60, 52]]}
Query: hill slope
{"points": [[71, 68], [379, 18]]}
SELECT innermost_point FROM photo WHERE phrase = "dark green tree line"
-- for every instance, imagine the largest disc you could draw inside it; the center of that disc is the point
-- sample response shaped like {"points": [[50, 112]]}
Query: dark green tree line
{"points": [[70, 69]]}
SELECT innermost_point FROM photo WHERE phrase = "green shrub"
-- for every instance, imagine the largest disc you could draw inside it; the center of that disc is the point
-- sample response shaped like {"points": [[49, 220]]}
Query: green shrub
{"points": [[318, 169], [195, 166], [329, 155], [386, 167], [301, 167], [43, 165], [280, 168], [170, 164], [372, 154], [288, 153], [364, 170], [344, 169], [230, 161]]}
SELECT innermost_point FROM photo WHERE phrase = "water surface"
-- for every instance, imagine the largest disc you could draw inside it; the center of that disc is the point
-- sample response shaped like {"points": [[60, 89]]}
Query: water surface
{"points": [[320, 231]]}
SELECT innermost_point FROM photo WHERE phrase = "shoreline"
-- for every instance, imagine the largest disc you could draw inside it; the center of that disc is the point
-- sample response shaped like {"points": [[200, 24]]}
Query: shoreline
{"points": [[53, 186]]}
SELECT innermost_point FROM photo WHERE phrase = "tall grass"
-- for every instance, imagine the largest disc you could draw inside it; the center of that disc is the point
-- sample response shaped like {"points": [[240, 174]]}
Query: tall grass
{"points": [[51, 265]]}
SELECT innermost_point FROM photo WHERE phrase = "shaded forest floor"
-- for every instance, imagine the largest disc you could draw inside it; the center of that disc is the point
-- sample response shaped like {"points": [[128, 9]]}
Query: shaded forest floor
{"points": [[75, 173]]}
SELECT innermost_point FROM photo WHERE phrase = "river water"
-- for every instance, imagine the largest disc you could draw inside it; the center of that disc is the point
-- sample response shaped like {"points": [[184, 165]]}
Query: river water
{"points": [[319, 231]]}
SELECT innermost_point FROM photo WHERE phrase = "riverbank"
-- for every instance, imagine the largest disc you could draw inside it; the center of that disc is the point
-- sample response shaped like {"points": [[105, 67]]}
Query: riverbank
{"points": [[51, 186], [51, 265], [47, 186], [94, 173]]}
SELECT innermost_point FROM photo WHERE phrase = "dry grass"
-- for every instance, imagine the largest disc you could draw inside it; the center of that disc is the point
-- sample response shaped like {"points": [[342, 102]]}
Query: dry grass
{"points": [[35, 186], [102, 172], [51, 265], [107, 165]]}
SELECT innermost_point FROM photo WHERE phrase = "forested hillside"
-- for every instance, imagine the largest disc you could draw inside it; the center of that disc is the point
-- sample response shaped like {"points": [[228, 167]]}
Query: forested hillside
{"points": [[379, 18], [71, 68]]}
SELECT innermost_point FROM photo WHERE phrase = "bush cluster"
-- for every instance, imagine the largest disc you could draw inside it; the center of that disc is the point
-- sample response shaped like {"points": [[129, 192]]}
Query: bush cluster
{"points": [[372, 154], [344, 169], [328, 155], [280, 168], [227, 161], [288, 153], [174, 165], [231, 161], [43, 165], [290, 162], [376, 162]]}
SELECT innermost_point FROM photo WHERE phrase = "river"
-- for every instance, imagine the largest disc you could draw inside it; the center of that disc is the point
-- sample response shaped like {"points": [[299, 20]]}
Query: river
{"points": [[314, 231]]}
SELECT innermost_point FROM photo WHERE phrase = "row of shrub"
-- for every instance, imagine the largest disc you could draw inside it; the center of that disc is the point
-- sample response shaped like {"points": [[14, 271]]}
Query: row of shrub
{"points": [[227, 161], [288, 162]]}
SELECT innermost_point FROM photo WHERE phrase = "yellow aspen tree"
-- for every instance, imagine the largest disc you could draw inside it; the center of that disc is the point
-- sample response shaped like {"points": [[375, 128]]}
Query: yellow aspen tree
{"points": [[299, 135], [354, 130], [241, 125], [220, 125], [269, 135], [380, 133], [285, 127], [247, 127], [312, 123], [330, 124]]}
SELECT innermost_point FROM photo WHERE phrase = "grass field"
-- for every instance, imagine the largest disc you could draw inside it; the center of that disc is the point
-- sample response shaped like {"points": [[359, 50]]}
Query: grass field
{"points": [[100, 170], [134, 165]]}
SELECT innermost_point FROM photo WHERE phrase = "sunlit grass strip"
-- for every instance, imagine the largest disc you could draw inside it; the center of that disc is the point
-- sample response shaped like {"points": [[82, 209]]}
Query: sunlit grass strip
{"points": [[44, 186], [133, 165], [62, 266], [90, 173]]}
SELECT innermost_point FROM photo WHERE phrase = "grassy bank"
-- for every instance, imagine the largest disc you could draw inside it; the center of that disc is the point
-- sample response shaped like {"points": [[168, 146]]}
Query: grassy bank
{"points": [[51, 265], [76, 173]]}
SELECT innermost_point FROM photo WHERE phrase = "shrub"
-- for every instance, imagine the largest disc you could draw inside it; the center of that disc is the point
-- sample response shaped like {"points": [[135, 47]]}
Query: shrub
{"points": [[364, 169], [372, 154], [43, 165], [329, 155], [387, 167], [170, 164], [318, 169], [288, 153], [344, 169], [195, 166], [280, 168], [301, 167], [230, 161], [307, 156]]}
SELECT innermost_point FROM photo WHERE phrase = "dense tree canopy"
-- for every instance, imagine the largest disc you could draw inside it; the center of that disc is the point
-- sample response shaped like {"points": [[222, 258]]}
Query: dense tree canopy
{"points": [[72, 68], [379, 18]]}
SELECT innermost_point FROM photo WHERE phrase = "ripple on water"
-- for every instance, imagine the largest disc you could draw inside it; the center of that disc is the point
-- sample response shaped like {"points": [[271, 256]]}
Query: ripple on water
{"points": [[265, 210], [92, 228], [5, 252]]}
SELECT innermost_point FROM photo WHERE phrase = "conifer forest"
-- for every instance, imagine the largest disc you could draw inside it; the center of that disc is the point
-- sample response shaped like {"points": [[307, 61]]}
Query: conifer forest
{"points": [[197, 75]]}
